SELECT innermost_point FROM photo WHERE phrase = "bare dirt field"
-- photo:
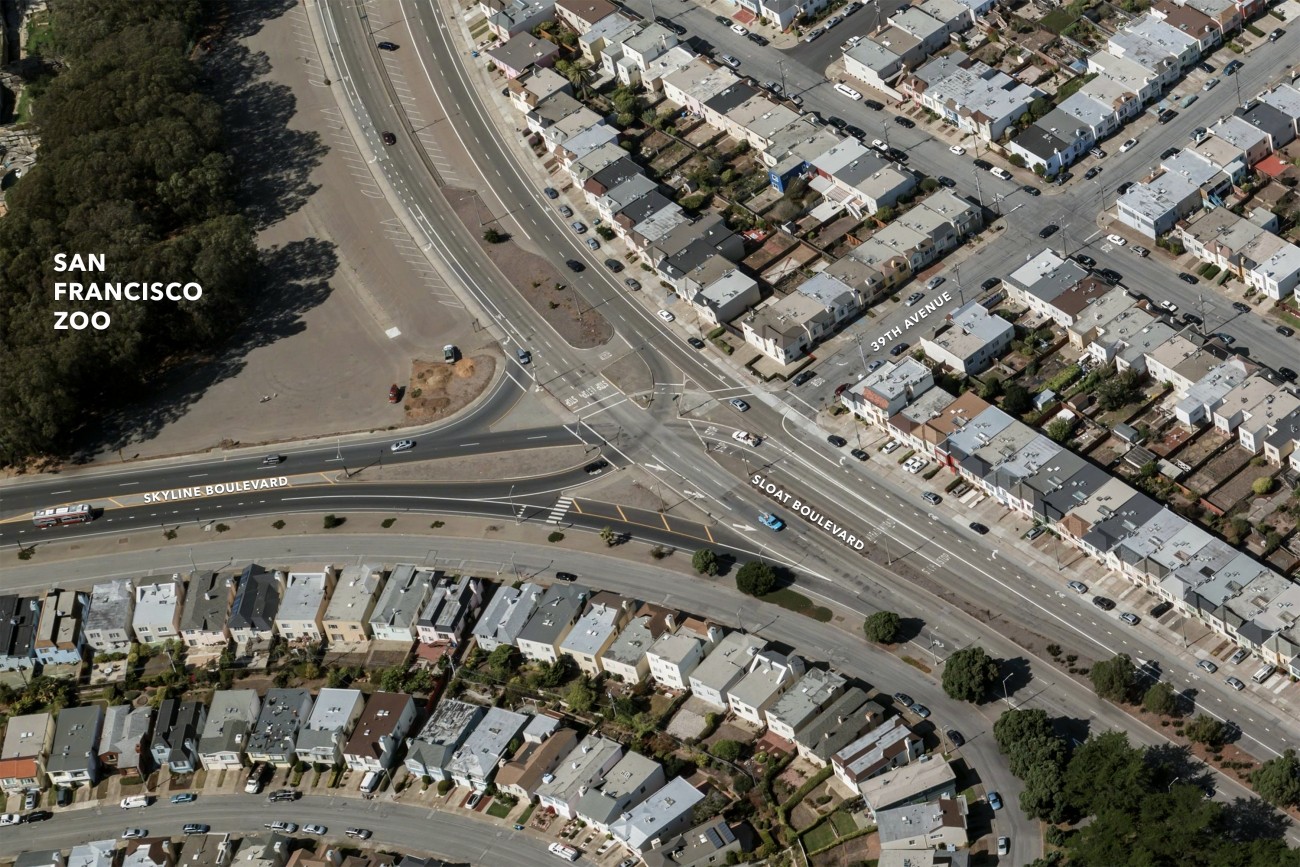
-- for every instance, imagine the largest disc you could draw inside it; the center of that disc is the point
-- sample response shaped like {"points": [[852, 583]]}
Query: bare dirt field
{"points": [[438, 389]]}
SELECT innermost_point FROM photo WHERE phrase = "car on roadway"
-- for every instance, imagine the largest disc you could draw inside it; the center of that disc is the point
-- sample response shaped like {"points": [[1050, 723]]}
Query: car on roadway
{"points": [[1004, 845], [979, 528], [387, 46], [190, 828], [836, 440], [982, 164], [282, 827], [1167, 115], [1168, 306], [1103, 603], [934, 282], [903, 698], [1187, 278], [389, 138], [566, 576], [1192, 319], [744, 436], [1161, 608], [671, 25], [772, 522], [1128, 145], [135, 833], [899, 348], [737, 28], [1111, 275], [575, 266], [1092, 173], [1078, 587], [1210, 84], [1130, 619], [315, 830], [730, 61], [957, 149], [1235, 684], [739, 405], [1117, 240], [757, 38], [10, 819], [873, 105], [1207, 68], [904, 122], [1232, 67], [578, 227], [666, 316], [402, 446], [1031, 189], [995, 800], [914, 298], [38, 816], [565, 211], [1207, 666], [1240, 307], [1098, 153], [632, 283], [859, 454], [524, 356], [695, 342], [1141, 251], [803, 377], [592, 244], [920, 710], [596, 467], [955, 737], [1287, 374], [1049, 230], [990, 283], [1276, 34], [932, 498], [551, 192], [359, 833], [184, 798], [945, 181]]}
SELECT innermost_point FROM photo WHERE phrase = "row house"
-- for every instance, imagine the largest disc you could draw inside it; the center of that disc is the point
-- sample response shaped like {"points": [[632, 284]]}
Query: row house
{"points": [[107, 620], [346, 622], [506, 615], [205, 615], [451, 722], [581, 15], [74, 758], [332, 720], [1282, 441], [380, 732], [506, 18], [980, 100], [274, 738], [19, 617], [596, 630], [157, 617], [26, 747], [58, 632], [770, 674], [557, 611], [937, 824], [123, 741], [474, 763], [803, 702], [524, 772], [666, 812], [523, 52], [888, 746], [723, 668], [399, 606], [176, 733], [254, 608], [969, 340], [627, 657], [302, 607], [453, 605], [1207, 31], [629, 782], [785, 329], [1135, 76], [842, 722], [584, 768], [677, 653], [232, 714]]}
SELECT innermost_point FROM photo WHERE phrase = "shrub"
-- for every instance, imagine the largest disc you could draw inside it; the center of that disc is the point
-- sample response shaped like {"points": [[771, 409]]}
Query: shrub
{"points": [[279, 525], [882, 627], [705, 561], [388, 522], [1262, 485], [555, 536], [755, 578], [332, 521], [221, 528]]}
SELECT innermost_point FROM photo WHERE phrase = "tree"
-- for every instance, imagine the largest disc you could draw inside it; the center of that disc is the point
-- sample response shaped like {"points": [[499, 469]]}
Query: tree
{"points": [[1114, 678], [492, 235], [1160, 699], [1116, 391], [1278, 780], [929, 185], [1106, 771], [1205, 729], [991, 389], [580, 698], [1041, 796], [705, 561], [885, 213], [1262, 485], [882, 627], [969, 673], [607, 536], [1017, 400], [756, 578], [1059, 430], [728, 751], [501, 662], [1026, 738]]}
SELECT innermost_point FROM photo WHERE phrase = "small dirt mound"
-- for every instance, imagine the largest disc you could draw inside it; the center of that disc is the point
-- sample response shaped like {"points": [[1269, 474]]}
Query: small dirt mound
{"points": [[439, 389]]}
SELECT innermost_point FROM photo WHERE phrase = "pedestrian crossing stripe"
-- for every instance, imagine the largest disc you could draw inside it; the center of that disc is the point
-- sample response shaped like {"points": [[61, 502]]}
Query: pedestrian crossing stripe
{"points": [[560, 510]]}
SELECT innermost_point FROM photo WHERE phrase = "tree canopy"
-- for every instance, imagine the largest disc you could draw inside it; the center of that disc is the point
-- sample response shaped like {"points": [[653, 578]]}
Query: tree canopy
{"points": [[756, 578], [882, 627], [969, 674], [1114, 678]]}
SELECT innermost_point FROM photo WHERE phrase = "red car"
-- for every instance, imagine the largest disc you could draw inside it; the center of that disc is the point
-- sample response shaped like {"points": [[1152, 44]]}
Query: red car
{"points": [[393, 393]]}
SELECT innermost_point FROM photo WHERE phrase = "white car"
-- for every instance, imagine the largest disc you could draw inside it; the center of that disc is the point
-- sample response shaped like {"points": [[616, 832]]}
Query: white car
{"points": [[957, 149], [891, 446], [851, 42], [282, 827], [402, 446], [1142, 251], [134, 833], [1169, 306], [736, 28], [317, 830], [879, 145], [1117, 240], [920, 465], [730, 61], [10, 819], [934, 282], [1128, 145], [666, 316], [744, 436], [1004, 845]]}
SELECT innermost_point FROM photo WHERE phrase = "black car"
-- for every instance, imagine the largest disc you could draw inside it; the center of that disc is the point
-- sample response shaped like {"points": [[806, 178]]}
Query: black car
{"points": [[1193, 319], [389, 138], [1111, 275], [1232, 67], [283, 795], [1161, 608], [1285, 330], [1225, 337], [978, 527], [855, 131], [873, 105], [1049, 230], [990, 283], [1167, 115], [565, 576], [1031, 189], [837, 122], [904, 122], [1124, 187], [596, 467], [859, 454], [1240, 307], [723, 20], [1092, 173], [1103, 603], [1286, 373], [955, 737], [387, 46], [898, 349], [1085, 260], [1187, 278], [946, 181], [695, 342], [575, 266], [1064, 176], [63, 796], [551, 192], [983, 164], [756, 38], [614, 265], [38, 816], [671, 25], [804, 377], [897, 155], [1169, 152], [836, 440], [1206, 67]]}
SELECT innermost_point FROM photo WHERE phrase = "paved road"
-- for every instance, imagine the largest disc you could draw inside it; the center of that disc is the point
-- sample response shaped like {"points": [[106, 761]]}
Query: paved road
{"points": [[448, 835]]}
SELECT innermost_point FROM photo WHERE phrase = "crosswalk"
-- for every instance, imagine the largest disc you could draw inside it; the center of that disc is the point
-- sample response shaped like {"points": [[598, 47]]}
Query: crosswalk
{"points": [[560, 510]]}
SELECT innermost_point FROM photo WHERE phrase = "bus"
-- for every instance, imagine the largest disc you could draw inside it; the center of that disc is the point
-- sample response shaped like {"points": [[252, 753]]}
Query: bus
{"points": [[564, 852], [63, 515]]}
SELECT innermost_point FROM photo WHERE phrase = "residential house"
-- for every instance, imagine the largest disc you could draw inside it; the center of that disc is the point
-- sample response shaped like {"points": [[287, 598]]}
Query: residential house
{"points": [[980, 100], [1154, 207], [105, 624], [626, 659], [98, 853], [27, 743], [157, 615], [263, 850], [970, 340], [73, 758], [149, 852], [583, 768], [206, 850], [506, 615], [581, 15], [937, 824], [379, 732], [629, 782], [726, 296], [275, 737], [302, 608], [123, 742], [231, 717], [885, 392], [1282, 439], [663, 814], [256, 603], [523, 52], [453, 606], [840, 724], [770, 674], [1147, 78], [205, 616], [803, 702], [557, 612], [596, 630], [878, 65], [400, 604], [451, 722], [676, 654], [18, 619], [506, 18], [705, 845], [346, 623], [784, 329], [475, 761], [888, 746], [523, 774], [729, 661], [1048, 149], [58, 632], [332, 721], [911, 784], [175, 743]]}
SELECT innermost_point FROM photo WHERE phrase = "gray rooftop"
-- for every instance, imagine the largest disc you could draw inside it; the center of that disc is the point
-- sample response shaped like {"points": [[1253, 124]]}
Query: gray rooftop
{"points": [[803, 700], [505, 616], [207, 604], [283, 715], [76, 736], [110, 606], [478, 755], [556, 611], [448, 727], [403, 597], [231, 717]]}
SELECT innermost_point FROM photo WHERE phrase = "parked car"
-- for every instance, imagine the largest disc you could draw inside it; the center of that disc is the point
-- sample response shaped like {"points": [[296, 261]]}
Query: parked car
{"points": [[983, 164], [282, 827], [10, 819], [592, 244], [1141, 251], [1103, 603], [578, 227], [1117, 240], [932, 498], [474, 800], [730, 61], [551, 192], [803, 377], [1206, 67], [873, 105], [1035, 532], [671, 25], [29, 799], [190, 828], [257, 774], [860, 454], [1207, 666], [1128, 145], [1285, 330], [945, 181], [184, 798], [1192, 319], [1240, 655], [665, 316], [38, 816], [1004, 845], [1098, 153], [1168, 306], [920, 710], [359, 833], [1276, 34], [1235, 684], [63, 796], [1064, 177], [1286, 373], [1124, 187], [632, 283], [1232, 67], [316, 830], [1167, 115], [135, 833], [1210, 84], [757, 38], [990, 283], [1031, 189], [1160, 609], [1092, 173], [565, 211], [695, 342], [283, 795], [898, 349], [1187, 278], [904, 122], [934, 282], [1049, 230], [739, 405], [1130, 619], [903, 698], [956, 738], [995, 800], [836, 440], [1078, 587], [566, 576], [1111, 275], [979, 528]]}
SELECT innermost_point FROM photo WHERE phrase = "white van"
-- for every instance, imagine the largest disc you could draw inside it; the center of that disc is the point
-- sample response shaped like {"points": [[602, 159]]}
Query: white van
{"points": [[136, 802], [1263, 674], [849, 92], [370, 782], [559, 850]]}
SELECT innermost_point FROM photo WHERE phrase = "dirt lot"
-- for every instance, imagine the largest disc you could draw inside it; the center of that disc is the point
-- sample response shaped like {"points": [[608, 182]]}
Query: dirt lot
{"points": [[438, 389]]}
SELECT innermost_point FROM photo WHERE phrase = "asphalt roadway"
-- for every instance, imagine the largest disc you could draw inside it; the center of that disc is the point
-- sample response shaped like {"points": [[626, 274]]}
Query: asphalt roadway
{"points": [[456, 837]]}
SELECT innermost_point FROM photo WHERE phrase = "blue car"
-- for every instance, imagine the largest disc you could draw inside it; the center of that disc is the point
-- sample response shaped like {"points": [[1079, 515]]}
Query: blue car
{"points": [[184, 798], [771, 521], [995, 800]]}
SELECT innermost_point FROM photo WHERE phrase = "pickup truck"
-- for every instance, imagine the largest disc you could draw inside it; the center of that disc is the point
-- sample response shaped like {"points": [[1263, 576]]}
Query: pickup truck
{"points": [[771, 521]]}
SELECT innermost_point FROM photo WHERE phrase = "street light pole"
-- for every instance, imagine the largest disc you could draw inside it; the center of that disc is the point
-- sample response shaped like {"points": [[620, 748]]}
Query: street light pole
{"points": [[1005, 696], [512, 505]]}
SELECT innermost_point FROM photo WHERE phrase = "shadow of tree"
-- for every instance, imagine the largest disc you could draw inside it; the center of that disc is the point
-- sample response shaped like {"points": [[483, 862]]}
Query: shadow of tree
{"points": [[1248, 819], [1018, 674]]}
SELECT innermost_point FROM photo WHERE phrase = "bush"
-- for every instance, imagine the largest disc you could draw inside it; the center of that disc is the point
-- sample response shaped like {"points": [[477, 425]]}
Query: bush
{"points": [[444, 786], [279, 525], [1160, 699], [332, 521], [493, 236], [728, 751], [705, 562], [882, 627], [221, 528], [1262, 485], [1114, 678], [1205, 729], [555, 536], [756, 578], [387, 522]]}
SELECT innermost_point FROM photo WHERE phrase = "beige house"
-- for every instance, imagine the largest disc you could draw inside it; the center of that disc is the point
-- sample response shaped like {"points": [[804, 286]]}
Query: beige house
{"points": [[525, 772], [596, 630], [302, 608], [346, 622]]}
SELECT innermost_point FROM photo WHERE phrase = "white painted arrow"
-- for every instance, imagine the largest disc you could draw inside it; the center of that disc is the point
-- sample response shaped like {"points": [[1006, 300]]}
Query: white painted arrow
{"points": [[654, 467], [746, 528]]}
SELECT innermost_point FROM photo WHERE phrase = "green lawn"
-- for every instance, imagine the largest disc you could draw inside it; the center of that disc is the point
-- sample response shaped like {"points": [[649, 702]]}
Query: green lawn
{"points": [[40, 37], [523, 820], [499, 809], [820, 837], [843, 823], [1058, 19]]}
